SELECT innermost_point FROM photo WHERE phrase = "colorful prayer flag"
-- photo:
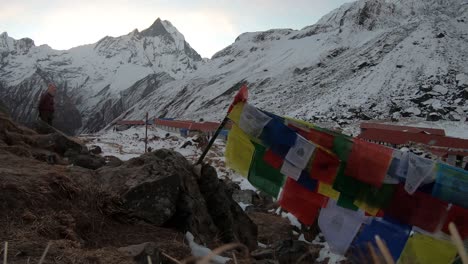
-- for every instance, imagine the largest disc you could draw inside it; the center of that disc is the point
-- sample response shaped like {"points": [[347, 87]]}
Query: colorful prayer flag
{"points": [[301, 202], [328, 191], [263, 176], [459, 216], [451, 185], [394, 235], [239, 151], [368, 162], [418, 170], [421, 249], [339, 226], [299, 155], [241, 96], [252, 121], [421, 209], [324, 166]]}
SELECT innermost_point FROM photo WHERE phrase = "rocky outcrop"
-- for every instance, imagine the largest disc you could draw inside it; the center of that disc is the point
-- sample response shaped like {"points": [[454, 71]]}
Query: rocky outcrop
{"points": [[159, 187], [100, 213]]}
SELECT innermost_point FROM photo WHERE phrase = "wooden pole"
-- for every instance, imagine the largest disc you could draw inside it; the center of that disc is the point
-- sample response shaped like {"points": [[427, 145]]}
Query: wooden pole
{"points": [[5, 253], [456, 239], [200, 160], [384, 250], [146, 133]]}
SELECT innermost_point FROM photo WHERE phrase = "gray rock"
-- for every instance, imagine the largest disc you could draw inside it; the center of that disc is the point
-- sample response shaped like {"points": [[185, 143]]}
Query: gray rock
{"points": [[434, 117], [88, 161], [95, 149], [161, 188], [411, 111], [440, 89], [243, 196], [462, 80], [112, 161], [454, 116], [227, 215], [148, 185], [425, 88]]}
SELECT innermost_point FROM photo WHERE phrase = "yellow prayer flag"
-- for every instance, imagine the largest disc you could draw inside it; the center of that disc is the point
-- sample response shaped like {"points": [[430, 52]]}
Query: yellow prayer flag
{"points": [[328, 191], [236, 112], [367, 208], [422, 249], [239, 151]]}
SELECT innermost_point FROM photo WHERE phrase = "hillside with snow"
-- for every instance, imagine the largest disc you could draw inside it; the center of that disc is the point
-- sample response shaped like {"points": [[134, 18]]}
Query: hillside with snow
{"points": [[370, 59], [365, 60], [96, 82]]}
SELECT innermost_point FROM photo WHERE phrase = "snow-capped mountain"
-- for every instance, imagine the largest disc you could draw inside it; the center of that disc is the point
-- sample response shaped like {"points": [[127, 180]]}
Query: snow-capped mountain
{"points": [[370, 59], [96, 82]]}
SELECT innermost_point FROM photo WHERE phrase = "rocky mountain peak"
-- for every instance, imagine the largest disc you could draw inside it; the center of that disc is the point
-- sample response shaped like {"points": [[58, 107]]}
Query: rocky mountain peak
{"points": [[156, 29]]}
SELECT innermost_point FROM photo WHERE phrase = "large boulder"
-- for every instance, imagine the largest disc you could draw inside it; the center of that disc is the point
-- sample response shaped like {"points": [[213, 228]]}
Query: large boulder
{"points": [[228, 216], [148, 185], [161, 188]]}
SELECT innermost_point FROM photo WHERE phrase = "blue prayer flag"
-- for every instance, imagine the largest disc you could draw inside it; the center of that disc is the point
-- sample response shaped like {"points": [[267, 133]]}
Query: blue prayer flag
{"points": [[394, 235]]}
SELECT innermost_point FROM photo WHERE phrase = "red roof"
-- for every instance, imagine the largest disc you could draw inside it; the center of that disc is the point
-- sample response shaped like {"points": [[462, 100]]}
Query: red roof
{"points": [[131, 122], [401, 138], [173, 123], [205, 126], [407, 129]]}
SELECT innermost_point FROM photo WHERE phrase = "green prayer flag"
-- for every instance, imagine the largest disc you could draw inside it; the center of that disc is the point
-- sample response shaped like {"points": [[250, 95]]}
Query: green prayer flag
{"points": [[376, 197], [263, 176], [342, 146], [347, 202]]}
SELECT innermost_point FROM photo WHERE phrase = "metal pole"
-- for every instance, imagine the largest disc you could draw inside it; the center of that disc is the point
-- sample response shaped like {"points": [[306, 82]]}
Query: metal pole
{"points": [[200, 160], [146, 133]]}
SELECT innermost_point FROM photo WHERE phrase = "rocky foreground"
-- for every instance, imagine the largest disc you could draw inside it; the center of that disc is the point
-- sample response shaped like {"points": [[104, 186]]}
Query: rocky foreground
{"points": [[102, 210]]}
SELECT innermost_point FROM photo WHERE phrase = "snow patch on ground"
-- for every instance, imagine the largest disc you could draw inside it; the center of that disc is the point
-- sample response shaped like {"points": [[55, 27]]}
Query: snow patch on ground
{"points": [[292, 219], [201, 251], [325, 252], [244, 205]]}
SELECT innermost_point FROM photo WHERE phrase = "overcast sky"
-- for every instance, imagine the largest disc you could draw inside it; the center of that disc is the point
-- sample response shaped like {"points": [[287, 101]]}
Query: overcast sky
{"points": [[208, 25]]}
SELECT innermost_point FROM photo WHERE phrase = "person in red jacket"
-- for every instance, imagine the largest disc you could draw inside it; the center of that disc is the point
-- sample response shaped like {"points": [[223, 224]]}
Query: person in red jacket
{"points": [[46, 104]]}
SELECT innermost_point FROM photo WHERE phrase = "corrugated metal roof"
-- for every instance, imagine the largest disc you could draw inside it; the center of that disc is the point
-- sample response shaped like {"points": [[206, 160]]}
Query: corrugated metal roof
{"points": [[407, 129], [400, 138]]}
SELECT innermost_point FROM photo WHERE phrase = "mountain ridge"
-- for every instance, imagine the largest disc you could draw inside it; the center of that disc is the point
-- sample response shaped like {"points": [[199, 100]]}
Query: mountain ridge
{"points": [[94, 77], [379, 59]]}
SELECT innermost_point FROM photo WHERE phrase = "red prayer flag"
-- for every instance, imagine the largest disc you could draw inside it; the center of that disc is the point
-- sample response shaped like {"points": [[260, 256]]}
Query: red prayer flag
{"points": [[459, 216], [241, 96], [368, 162], [272, 159], [316, 136], [321, 138], [420, 209], [324, 166], [301, 202]]}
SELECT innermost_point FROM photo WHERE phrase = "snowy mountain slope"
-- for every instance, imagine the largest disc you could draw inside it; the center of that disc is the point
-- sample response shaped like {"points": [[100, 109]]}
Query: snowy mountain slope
{"points": [[368, 59], [99, 80]]}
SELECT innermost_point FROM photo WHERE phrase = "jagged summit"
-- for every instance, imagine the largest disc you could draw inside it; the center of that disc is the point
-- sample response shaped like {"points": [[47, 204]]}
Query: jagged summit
{"points": [[156, 29], [100, 80]]}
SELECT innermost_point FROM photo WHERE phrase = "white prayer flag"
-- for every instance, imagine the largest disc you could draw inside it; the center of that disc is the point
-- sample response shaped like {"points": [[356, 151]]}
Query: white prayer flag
{"points": [[252, 121], [290, 170], [300, 154], [418, 170], [339, 226]]}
